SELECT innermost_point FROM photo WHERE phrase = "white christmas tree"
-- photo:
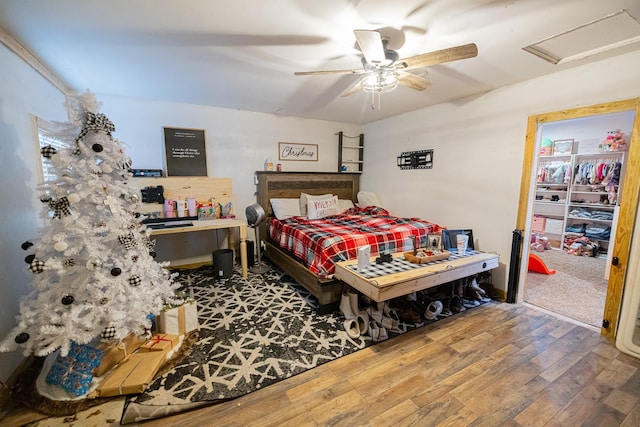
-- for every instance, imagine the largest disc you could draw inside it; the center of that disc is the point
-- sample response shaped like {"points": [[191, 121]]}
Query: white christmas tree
{"points": [[93, 267]]}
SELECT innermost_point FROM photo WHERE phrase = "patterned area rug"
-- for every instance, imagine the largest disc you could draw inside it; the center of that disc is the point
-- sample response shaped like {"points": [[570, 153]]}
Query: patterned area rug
{"points": [[253, 332]]}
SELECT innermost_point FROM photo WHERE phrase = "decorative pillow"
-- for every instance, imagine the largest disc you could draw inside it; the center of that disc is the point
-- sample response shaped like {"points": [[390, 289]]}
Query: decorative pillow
{"points": [[368, 198], [304, 198], [285, 208], [344, 205], [320, 208]]}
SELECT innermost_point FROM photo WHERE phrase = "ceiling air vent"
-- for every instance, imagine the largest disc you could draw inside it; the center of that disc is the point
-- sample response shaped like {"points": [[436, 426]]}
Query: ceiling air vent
{"points": [[610, 32]]}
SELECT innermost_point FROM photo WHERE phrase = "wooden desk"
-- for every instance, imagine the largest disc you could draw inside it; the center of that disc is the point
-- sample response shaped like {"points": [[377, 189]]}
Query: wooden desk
{"points": [[385, 287], [214, 224]]}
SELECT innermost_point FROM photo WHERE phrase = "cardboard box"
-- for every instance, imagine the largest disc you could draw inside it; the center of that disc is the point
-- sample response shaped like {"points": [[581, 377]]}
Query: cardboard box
{"points": [[179, 320], [133, 374], [113, 353], [161, 342]]}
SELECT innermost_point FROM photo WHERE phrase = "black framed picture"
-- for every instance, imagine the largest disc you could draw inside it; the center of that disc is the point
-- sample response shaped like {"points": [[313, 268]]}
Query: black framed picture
{"points": [[185, 152]]}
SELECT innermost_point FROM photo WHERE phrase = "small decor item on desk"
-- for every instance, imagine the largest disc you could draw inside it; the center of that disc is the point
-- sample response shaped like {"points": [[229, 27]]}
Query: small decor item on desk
{"points": [[225, 211], [364, 255], [384, 258], [462, 241], [169, 209], [424, 256], [205, 210], [181, 206], [192, 206]]}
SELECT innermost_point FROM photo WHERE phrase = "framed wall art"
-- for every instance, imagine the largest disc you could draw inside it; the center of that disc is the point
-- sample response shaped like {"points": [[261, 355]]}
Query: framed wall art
{"points": [[185, 152], [563, 147], [297, 152]]}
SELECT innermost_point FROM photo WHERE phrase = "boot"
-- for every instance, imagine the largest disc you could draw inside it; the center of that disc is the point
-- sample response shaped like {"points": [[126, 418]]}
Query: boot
{"points": [[345, 307]]}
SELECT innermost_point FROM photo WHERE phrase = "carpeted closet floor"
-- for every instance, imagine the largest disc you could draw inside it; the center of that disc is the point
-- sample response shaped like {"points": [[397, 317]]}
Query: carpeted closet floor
{"points": [[577, 290]]}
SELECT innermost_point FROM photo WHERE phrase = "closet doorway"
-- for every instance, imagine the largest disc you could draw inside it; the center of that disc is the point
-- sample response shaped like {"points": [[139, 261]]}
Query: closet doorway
{"points": [[591, 279]]}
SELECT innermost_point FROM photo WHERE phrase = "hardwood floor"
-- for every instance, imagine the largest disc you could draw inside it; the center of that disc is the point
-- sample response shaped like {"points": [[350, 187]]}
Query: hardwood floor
{"points": [[496, 365]]}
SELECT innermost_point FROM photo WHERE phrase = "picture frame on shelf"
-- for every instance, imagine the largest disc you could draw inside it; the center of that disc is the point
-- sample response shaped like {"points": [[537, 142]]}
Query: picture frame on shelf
{"points": [[434, 241], [563, 147]]}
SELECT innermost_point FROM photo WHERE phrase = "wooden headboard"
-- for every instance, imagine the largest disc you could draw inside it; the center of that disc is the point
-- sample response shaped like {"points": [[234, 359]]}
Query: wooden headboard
{"points": [[290, 184]]}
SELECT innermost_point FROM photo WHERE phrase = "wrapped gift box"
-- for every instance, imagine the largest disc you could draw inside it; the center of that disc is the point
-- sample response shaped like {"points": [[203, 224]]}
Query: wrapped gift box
{"points": [[114, 352], [179, 320], [69, 379], [161, 342], [133, 374], [81, 357]]}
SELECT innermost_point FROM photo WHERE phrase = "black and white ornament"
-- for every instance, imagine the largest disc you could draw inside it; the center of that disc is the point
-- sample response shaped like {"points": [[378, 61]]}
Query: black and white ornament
{"points": [[108, 333], [128, 241], [36, 266], [48, 151], [135, 280]]}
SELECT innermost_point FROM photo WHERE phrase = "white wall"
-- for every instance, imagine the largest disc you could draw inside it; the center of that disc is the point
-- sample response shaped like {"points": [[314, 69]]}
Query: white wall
{"points": [[23, 93], [237, 142], [478, 150]]}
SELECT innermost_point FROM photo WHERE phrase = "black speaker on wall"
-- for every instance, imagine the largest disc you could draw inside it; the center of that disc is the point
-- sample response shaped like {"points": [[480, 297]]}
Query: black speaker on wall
{"points": [[251, 253]]}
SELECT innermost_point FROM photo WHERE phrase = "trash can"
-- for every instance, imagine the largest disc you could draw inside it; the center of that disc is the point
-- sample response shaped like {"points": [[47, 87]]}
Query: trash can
{"points": [[222, 263]]}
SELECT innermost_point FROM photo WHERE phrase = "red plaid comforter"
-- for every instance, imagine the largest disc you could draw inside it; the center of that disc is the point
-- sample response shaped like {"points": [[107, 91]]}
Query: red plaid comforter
{"points": [[320, 243]]}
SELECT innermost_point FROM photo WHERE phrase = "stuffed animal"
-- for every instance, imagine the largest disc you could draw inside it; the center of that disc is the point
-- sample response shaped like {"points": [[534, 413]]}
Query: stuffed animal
{"points": [[539, 243]]}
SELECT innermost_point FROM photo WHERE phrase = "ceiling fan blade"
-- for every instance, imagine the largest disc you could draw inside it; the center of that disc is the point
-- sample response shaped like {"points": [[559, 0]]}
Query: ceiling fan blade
{"points": [[354, 88], [321, 73], [438, 57], [370, 43], [412, 81]]}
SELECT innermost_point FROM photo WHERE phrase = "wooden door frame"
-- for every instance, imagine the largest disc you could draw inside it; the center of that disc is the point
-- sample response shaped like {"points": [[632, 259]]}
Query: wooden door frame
{"points": [[629, 197]]}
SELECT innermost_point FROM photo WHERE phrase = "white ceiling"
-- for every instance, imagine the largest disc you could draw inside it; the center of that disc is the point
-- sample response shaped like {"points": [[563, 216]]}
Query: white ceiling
{"points": [[242, 54]]}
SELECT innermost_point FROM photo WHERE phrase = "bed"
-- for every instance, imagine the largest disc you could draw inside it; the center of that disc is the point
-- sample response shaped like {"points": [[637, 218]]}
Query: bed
{"points": [[307, 250]]}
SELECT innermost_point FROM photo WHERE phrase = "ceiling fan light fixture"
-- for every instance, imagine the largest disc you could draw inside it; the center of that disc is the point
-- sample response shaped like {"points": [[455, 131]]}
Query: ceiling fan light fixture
{"points": [[380, 81]]}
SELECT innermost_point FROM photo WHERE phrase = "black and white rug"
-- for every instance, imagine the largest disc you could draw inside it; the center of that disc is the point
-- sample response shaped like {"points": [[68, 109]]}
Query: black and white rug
{"points": [[253, 332]]}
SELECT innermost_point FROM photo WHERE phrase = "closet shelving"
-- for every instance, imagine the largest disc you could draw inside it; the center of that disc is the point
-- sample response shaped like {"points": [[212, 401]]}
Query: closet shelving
{"points": [[572, 202]]}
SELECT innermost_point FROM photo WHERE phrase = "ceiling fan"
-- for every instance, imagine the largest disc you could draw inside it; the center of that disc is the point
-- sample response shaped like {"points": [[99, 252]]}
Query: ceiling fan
{"points": [[382, 69]]}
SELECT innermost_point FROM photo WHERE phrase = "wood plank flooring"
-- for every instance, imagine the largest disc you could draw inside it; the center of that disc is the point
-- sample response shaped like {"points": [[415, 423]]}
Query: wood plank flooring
{"points": [[496, 365]]}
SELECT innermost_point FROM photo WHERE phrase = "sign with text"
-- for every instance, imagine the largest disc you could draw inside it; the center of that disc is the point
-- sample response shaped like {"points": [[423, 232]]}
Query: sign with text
{"points": [[185, 152], [299, 152]]}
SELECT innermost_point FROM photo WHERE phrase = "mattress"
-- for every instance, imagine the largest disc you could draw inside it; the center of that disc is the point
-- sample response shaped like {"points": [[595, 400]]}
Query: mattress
{"points": [[320, 243]]}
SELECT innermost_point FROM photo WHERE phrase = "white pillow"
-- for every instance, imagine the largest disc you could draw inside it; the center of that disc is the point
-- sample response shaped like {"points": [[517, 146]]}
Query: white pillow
{"points": [[320, 208], [344, 204], [304, 198], [368, 198], [285, 208]]}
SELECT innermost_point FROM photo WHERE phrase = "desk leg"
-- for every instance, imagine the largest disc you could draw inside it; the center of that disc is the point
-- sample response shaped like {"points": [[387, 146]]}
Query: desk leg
{"points": [[243, 249]]}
